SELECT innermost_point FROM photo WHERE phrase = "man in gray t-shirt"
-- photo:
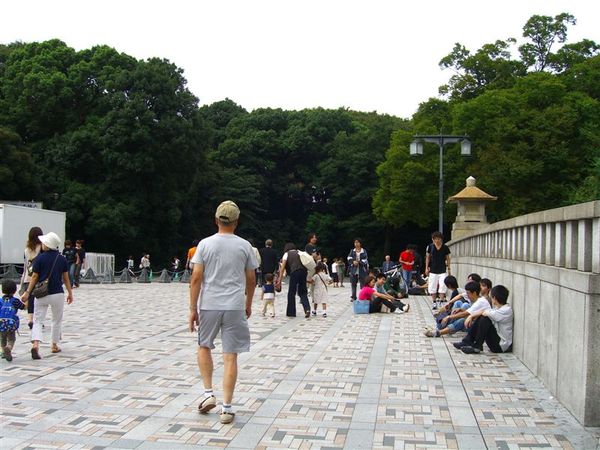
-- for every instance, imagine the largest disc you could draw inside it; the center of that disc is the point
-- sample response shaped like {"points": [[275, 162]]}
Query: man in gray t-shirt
{"points": [[221, 290]]}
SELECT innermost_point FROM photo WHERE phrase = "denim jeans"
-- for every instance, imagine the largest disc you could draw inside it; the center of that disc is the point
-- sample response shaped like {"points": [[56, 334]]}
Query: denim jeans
{"points": [[406, 274], [72, 273]]}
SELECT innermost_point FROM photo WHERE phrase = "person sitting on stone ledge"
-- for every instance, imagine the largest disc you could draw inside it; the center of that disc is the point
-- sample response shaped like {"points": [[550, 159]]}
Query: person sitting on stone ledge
{"points": [[492, 326]]}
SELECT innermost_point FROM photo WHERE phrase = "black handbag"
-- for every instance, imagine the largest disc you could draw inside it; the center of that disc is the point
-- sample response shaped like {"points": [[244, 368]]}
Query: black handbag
{"points": [[40, 289]]}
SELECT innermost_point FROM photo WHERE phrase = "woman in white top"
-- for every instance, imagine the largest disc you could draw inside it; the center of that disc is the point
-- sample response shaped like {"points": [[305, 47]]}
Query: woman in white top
{"points": [[33, 247]]}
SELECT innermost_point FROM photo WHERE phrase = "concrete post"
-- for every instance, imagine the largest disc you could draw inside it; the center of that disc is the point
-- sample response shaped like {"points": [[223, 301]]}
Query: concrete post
{"points": [[584, 247], [596, 245], [571, 245], [550, 236], [560, 247]]}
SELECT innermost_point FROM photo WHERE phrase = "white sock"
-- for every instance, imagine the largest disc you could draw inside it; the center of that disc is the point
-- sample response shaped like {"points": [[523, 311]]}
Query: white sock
{"points": [[227, 408], [208, 393]]}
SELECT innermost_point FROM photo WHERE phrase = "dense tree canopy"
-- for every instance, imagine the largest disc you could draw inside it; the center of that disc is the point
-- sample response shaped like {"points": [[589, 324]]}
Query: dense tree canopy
{"points": [[122, 146]]}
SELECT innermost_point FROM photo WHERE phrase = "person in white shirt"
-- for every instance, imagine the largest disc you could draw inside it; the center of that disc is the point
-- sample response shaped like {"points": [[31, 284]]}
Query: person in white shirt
{"points": [[492, 326], [457, 321]]}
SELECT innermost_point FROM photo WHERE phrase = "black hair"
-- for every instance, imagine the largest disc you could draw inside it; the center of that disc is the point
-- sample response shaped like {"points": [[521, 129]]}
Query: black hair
{"points": [[9, 287], [451, 282], [500, 294], [358, 239], [311, 235], [269, 277], [473, 286], [381, 275], [486, 282], [474, 277], [437, 234], [368, 279], [289, 246]]}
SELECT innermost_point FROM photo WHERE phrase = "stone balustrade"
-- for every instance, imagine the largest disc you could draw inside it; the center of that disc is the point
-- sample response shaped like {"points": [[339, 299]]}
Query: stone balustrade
{"points": [[550, 261]]}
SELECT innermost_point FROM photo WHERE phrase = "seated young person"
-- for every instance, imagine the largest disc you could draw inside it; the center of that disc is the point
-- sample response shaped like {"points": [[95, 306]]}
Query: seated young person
{"points": [[459, 296], [368, 292], [395, 299], [492, 326], [456, 321], [452, 285]]}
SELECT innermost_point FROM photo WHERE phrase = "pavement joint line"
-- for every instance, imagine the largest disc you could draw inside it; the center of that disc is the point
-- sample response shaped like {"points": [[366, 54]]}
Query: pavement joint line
{"points": [[317, 383]]}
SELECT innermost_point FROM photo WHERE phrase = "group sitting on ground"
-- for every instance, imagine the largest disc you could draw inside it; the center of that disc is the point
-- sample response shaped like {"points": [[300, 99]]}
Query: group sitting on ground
{"points": [[481, 311]]}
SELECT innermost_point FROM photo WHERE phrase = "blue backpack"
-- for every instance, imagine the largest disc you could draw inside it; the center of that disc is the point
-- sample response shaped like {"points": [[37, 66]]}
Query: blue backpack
{"points": [[9, 321]]}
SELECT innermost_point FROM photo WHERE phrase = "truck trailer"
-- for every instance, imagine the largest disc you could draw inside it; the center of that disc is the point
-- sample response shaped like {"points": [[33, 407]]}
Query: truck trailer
{"points": [[15, 223]]}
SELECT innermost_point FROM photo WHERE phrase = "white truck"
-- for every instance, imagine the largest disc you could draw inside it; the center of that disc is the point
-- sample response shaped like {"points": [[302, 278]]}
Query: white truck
{"points": [[15, 222]]}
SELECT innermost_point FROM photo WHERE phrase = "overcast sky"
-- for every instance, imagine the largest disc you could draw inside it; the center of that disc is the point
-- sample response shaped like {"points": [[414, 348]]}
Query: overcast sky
{"points": [[370, 55]]}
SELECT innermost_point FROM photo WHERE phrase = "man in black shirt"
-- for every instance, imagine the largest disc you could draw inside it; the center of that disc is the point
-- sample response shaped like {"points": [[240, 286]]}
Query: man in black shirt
{"points": [[268, 260], [437, 266]]}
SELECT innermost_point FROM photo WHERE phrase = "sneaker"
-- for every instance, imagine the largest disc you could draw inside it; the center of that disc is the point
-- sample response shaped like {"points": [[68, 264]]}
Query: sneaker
{"points": [[226, 416], [461, 344], [207, 404], [7, 354], [470, 350], [435, 306], [429, 332], [314, 313], [324, 314], [406, 308]]}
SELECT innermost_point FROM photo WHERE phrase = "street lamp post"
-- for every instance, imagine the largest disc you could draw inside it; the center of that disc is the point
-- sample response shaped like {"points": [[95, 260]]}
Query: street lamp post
{"points": [[416, 149]]}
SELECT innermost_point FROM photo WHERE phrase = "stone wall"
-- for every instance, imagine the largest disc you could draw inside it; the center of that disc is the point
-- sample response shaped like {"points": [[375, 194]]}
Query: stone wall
{"points": [[550, 262]]}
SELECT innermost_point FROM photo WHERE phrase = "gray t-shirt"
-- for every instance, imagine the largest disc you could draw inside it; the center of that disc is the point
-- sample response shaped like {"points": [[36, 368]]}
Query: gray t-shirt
{"points": [[225, 258]]}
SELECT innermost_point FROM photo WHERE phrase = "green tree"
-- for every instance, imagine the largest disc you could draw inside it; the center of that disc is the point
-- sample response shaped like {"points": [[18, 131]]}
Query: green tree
{"points": [[489, 67], [543, 32]]}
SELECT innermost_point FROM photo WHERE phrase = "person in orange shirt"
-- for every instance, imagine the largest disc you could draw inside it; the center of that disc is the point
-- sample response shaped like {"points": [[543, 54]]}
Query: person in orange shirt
{"points": [[190, 254]]}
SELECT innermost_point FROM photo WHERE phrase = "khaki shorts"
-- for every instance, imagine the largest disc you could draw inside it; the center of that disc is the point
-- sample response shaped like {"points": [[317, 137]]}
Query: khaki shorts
{"points": [[235, 334]]}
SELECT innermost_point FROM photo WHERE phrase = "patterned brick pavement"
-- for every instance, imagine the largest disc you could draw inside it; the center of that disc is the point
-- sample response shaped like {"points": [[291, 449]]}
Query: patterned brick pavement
{"points": [[127, 378]]}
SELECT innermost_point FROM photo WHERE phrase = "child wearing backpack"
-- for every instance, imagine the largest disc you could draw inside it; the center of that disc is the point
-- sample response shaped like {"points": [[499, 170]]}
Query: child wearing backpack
{"points": [[9, 320]]}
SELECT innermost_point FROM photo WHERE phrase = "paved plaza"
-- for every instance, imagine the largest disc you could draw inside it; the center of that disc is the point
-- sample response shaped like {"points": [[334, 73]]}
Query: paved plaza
{"points": [[127, 378]]}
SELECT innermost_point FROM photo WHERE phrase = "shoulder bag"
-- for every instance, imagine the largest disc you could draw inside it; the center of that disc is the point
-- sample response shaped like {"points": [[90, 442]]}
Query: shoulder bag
{"points": [[41, 287]]}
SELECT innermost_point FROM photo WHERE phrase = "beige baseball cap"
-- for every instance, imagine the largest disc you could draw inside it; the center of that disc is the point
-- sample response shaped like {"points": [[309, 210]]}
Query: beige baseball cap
{"points": [[227, 212]]}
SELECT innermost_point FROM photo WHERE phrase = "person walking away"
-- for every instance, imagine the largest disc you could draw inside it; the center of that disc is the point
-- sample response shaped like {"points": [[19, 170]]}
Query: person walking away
{"points": [[80, 260], [221, 290], [70, 255], [267, 295], [268, 260], [359, 266], [9, 319], [33, 248], [52, 266], [320, 282], [437, 266], [291, 263]]}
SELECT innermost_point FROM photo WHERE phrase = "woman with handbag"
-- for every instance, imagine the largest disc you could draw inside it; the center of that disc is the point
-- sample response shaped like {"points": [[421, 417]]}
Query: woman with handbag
{"points": [[33, 247], [50, 271]]}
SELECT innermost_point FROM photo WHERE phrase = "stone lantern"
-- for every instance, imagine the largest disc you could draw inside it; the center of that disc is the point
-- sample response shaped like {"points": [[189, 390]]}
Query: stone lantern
{"points": [[471, 209]]}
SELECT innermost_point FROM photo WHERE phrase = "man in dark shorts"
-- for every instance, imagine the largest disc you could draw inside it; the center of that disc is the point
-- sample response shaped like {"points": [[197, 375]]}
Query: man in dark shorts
{"points": [[221, 290]]}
